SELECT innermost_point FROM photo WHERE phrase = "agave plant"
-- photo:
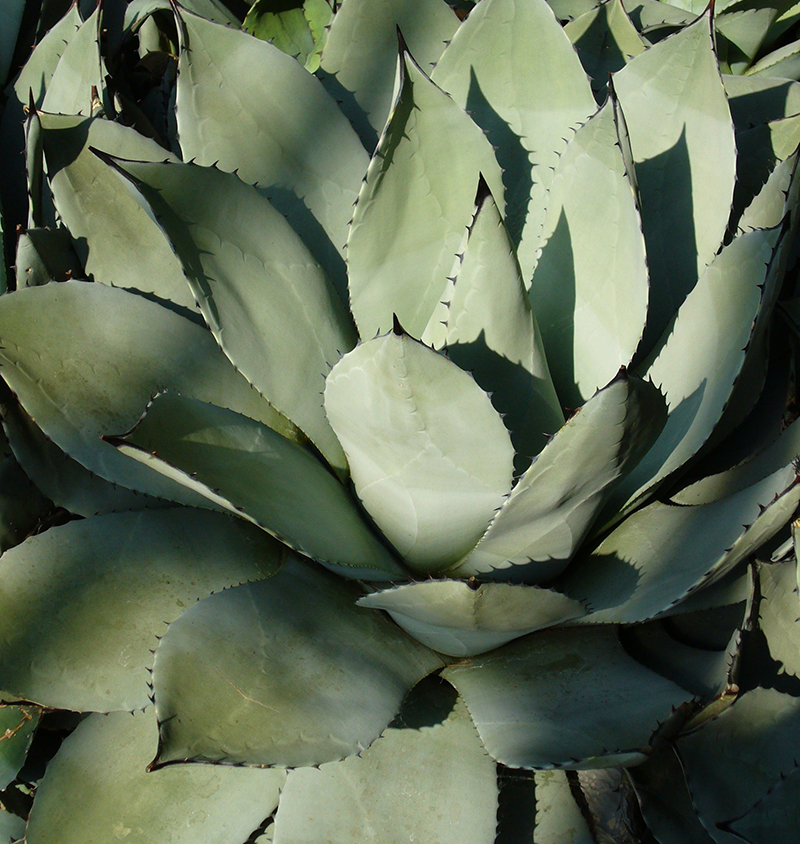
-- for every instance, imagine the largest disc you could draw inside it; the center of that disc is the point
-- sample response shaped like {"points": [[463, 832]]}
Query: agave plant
{"points": [[388, 447]]}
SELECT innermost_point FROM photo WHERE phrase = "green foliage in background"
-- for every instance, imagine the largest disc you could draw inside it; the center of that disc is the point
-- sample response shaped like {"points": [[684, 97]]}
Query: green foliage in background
{"points": [[398, 422]]}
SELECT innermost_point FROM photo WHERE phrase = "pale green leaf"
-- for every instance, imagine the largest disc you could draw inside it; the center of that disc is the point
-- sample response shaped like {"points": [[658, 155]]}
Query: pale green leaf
{"points": [[755, 99], [783, 63], [249, 469], [283, 672], [415, 206], [442, 788], [264, 297], [299, 30], [511, 66], [555, 503], [79, 70], [360, 54], [85, 359], [590, 288], [455, 618], [778, 612], [682, 138], [98, 788], [137, 11], [248, 107], [564, 698], [84, 604], [430, 458], [45, 255], [698, 365], [486, 323], [116, 239], [17, 724], [559, 819]]}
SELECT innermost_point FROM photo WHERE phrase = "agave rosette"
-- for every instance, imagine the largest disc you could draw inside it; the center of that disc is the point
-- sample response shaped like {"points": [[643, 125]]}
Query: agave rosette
{"points": [[449, 496]]}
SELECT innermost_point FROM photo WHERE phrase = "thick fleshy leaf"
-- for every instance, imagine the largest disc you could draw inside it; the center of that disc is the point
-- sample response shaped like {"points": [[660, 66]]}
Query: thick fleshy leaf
{"points": [[17, 724], [10, 20], [360, 54], [559, 819], [79, 71], [682, 139], [511, 66], [62, 479], [564, 698], [116, 239], [455, 618], [662, 553], [698, 365], [98, 789], [606, 40], [137, 11], [778, 612], [755, 100], [12, 827], [299, 30], [442, 788], [415, 206], [757, 737], [79, 385], [45, 255], [430, 457], [555, 503], [283, 672], [264, 297], [84, 604], [486, 323], [248, 107], [775, 815], [249, 469], [590, 289], [783, 63]]}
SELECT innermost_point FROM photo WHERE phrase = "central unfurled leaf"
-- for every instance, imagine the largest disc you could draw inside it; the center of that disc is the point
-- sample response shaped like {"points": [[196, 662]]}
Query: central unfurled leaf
{"points": [[511, 66], [453, 618], [590, 288], [430, 457], [248, 107], [414, 206], [682, 138], [245, 467], [555, 503], [564, 698], [287, 672], [264, 297], [486, 322]]}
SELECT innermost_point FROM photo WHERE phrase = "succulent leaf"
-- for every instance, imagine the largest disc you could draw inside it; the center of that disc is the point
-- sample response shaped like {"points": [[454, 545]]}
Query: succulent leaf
{"points": [[99, 789], [247, 107], [488, 327], [439, 758], [455, 618], [285, 672], [682, 138], [299, 30], [84, 604], [559, 819], [81, 385], [430, 458], [45, 255], [262, 294], [592, 317], [415, 206], [17, 724], [360, 54], [554, 504], [245, 467], [10, 20], [564, 698]]}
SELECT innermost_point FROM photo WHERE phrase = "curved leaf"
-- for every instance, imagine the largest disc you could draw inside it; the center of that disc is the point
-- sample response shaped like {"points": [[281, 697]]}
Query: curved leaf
{"points": [[84, 604], [245, 467], [430, 457], [17, 724], [415, 206], [590, 289], [264, 297], [511, 66], [284, 672], [98, 788], [682, 139], [443, 788], [455, 618], [564, 698], [79, 385], [555, 503]]}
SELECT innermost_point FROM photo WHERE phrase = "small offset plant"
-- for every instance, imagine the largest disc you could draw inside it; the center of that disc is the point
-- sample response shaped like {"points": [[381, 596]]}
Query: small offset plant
{"points": [[399, 429]]}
